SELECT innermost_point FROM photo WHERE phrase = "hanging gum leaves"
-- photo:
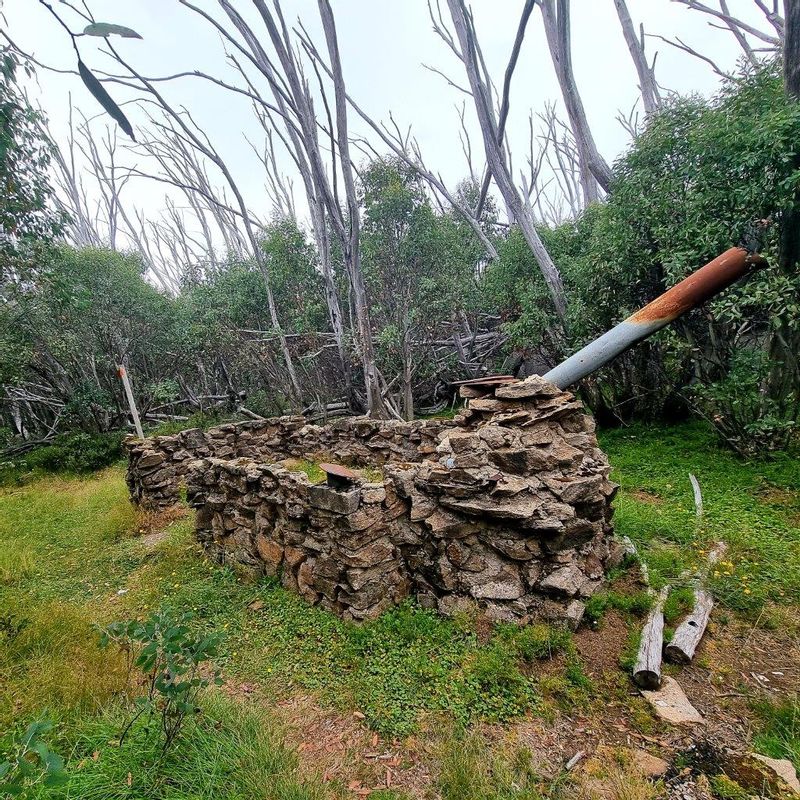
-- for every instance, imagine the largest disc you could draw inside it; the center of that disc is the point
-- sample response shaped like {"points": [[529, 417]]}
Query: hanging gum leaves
{"points": [[104, 98]]}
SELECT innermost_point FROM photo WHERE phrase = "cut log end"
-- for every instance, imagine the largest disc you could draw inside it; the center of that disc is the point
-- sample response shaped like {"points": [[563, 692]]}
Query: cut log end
{"points": [[647, 678]]}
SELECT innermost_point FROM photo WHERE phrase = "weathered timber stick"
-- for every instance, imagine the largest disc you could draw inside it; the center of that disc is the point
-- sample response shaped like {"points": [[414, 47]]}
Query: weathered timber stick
{"points": [[131, 402], [698, 496], [647, 670]]}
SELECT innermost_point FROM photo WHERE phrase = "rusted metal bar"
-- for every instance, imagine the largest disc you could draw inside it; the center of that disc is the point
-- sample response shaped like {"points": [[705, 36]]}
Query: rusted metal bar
{"points": [[700, 286]]}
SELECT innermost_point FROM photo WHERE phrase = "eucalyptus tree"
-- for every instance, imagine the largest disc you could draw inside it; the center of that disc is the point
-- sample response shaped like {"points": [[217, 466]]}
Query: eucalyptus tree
{"points": [[466, 47]]}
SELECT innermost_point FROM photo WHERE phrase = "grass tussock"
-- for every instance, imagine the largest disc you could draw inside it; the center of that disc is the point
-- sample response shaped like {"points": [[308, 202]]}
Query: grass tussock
{"points": [[15, 564], [230, 752], [50, 659]]}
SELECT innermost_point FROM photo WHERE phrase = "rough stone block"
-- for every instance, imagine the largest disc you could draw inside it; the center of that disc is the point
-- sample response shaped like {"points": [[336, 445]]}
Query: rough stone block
{"points": [[335, 500]]}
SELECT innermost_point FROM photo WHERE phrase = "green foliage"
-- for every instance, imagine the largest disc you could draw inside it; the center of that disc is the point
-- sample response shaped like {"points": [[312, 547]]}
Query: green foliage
{"points": [[70, 453], [419, 268], [26, 221], [175, 662], [778, 734], [105, 29], [689, 188], [749, 421], [78, 452], [599, 603], [27, 762]]}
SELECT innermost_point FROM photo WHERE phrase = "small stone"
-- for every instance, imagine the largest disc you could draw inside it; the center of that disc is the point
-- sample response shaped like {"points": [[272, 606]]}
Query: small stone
{"points": [[271, 553], [373, 494], [671, 704], [488, 404], [783, 769], [565, 580], [534, 386], [333, 500], [151, 460]]}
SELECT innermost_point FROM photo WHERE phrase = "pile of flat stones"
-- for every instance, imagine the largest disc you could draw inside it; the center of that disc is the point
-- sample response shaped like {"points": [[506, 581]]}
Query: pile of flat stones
{"points": [[506, 510]]}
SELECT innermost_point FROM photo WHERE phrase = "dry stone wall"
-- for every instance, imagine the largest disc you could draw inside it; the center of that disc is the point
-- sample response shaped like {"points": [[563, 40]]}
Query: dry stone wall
{"points": [[157, 467], [505, 508]]}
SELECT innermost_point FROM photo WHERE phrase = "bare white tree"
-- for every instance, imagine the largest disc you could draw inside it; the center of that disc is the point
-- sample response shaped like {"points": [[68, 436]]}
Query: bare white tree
{"points": [[466, 47], [648, 86], [595, 171]]}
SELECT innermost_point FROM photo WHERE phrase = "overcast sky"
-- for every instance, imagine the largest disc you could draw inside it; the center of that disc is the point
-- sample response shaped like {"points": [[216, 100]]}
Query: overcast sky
{"points": [[384, 44]]}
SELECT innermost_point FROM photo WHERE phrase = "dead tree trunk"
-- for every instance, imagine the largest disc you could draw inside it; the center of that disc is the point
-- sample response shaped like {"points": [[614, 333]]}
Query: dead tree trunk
{"points": [[495, 154], [648, 86], [595, 171], [350, 238]]}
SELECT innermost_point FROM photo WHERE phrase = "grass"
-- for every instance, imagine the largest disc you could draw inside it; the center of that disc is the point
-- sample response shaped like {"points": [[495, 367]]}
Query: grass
{"points": [[778, 733], [752, 506], [230, 752], [70, 559]]}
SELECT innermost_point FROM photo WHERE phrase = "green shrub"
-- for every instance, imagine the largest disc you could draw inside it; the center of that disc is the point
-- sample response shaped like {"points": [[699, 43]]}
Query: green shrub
{"points": [[26, 761], [77, 452], [171, 656]]}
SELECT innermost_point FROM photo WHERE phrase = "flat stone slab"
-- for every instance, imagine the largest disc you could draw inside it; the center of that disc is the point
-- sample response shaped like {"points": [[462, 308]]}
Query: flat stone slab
{"points": [[671, 704], [783, 768]]}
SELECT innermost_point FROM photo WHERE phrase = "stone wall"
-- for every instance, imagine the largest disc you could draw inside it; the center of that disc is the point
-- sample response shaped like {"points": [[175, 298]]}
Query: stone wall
{"points": [[157, 466], [506, 508]]}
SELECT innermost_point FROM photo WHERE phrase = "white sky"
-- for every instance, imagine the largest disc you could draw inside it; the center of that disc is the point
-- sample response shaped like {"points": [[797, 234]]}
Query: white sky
{"points": [[383, 45]]}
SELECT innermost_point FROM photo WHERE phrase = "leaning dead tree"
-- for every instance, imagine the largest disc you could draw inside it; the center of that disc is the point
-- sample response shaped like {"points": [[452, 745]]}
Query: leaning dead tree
{"points": [[752, 40], [466, 47], [595, 171], [183, 127], [408, 151], [645, 70], [284, 76], [297, 140]]}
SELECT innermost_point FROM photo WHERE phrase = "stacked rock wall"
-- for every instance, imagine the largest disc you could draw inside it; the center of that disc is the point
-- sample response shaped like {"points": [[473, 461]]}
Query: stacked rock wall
{"points": [[157, 466], [506, 508]]}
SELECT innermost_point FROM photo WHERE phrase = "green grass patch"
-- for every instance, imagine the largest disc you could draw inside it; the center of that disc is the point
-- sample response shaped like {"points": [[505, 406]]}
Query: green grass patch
{"points": [[229, 752], [312, 470], [472, 770], [778, 733], [636, 603], [751, 505]]}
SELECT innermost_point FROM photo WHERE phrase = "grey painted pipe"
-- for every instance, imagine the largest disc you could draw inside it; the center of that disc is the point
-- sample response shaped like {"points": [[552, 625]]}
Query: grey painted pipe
{"points": [[700, 286]]}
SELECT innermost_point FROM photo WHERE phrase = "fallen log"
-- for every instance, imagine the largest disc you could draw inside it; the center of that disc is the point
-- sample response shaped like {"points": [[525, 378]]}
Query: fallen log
{"points": [[689, 633], [647, 669]]}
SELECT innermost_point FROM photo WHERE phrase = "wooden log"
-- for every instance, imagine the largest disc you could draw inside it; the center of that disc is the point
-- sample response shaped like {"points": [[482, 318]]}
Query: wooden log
{"points": [[647, 670], [689, 633]]}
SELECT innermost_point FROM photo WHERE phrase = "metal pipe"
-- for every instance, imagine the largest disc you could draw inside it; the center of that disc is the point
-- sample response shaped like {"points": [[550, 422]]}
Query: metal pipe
{"points": [[700, 286]]}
